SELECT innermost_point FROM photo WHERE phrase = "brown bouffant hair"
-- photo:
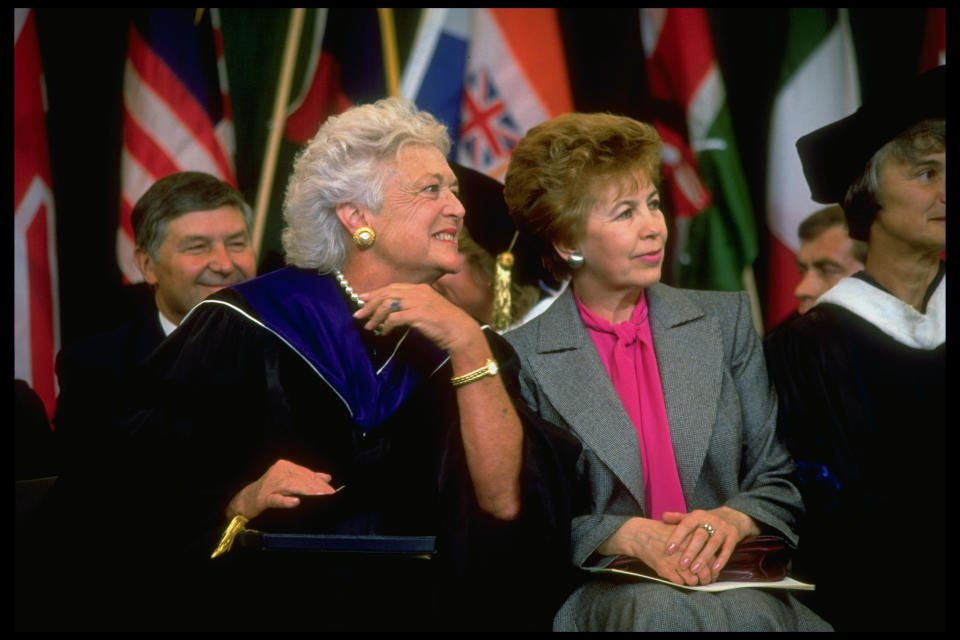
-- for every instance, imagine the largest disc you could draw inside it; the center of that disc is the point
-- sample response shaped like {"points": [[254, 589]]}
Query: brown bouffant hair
{"points": [[551, 181]]}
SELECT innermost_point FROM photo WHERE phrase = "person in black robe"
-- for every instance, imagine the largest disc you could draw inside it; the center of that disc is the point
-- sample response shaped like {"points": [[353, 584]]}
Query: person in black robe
{"points": [[861, 377], [192, 233], [342, 395]]}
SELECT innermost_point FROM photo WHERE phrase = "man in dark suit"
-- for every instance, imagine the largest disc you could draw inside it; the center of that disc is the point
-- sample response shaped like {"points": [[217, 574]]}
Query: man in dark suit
{"points": [[192, 234], [827, 254], [193, 237]]}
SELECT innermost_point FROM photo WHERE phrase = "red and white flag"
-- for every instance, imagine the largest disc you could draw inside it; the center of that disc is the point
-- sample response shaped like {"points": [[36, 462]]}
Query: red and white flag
{"points": [[176, 109], [36, 327], [715, 237]]}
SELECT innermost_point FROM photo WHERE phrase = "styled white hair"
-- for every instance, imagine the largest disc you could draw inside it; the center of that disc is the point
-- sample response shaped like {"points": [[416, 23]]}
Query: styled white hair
{"points": [[348, 160]]}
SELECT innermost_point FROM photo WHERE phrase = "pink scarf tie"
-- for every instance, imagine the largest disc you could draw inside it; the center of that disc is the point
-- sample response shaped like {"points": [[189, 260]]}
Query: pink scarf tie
{"points": [[626, 350]]}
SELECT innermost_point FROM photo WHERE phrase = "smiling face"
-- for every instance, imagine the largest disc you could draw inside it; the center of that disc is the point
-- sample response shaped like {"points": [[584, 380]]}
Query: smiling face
{"points": [[420, 220], [913, 204], [624, 239], [202, 252]]}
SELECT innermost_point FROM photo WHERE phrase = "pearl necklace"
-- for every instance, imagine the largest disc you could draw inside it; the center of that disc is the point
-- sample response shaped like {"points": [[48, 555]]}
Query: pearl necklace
{"points": [[348, 289]]}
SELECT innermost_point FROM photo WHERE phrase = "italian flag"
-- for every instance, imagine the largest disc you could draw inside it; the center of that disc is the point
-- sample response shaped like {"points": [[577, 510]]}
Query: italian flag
{"points": [[715, 241], [819, 85]]}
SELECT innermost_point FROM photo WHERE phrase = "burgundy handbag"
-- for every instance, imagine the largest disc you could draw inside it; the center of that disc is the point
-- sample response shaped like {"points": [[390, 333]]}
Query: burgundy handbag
{"points": [[758, 559]]}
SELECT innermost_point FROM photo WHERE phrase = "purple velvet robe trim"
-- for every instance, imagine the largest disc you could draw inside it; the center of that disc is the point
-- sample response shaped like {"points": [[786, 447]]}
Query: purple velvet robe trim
{"points": [[310, 313]]}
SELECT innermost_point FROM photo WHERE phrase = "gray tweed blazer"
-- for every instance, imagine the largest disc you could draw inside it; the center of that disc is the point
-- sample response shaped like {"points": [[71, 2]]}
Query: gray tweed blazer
{"points": [[721, 408]]}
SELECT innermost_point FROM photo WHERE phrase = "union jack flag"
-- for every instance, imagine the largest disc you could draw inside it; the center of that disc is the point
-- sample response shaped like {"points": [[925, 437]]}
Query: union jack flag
{"points": [[489, 133]]}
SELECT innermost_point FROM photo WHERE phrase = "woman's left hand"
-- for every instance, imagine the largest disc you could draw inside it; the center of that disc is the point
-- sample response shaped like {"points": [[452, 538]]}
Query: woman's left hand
{"points": [[703, 552], [419, 306]]}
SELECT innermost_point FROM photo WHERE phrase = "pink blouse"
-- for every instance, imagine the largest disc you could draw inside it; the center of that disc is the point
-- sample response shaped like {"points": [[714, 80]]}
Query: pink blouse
{"points": [[626, 350]]}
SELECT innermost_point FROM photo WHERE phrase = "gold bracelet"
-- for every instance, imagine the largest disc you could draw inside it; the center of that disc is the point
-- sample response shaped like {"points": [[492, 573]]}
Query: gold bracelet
{"points": [[488, 369]]}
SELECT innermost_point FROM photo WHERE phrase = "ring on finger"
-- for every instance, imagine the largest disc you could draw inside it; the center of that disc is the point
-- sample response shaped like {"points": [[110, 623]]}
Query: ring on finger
{"points": [[394, 305], [710, 530]]}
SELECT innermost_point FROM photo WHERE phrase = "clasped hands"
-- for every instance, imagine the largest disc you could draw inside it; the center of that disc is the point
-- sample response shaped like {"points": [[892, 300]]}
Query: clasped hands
{"points": [[678, 547]]}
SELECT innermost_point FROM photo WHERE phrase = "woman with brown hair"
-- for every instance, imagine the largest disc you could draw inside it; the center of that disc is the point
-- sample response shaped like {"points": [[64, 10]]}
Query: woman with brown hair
{"points": [[665, 388]]}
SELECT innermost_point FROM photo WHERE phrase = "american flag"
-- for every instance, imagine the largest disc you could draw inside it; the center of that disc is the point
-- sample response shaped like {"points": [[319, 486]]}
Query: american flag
{"points": [[488, 133], [35, 303], [176, 109]]}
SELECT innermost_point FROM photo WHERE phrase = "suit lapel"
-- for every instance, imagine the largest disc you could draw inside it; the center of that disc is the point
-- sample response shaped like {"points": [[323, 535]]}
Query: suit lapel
{"points": [[689, 352], [575, 381], [690, 358]]}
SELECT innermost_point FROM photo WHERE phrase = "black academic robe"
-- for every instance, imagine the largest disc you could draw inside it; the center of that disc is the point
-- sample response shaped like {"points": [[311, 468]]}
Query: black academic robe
{"points": [[93, 375], [229, 393], [864, 417]]}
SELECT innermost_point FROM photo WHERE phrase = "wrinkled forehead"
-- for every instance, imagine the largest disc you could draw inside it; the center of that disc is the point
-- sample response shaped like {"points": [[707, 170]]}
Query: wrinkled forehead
{"points": [[414, 161]]}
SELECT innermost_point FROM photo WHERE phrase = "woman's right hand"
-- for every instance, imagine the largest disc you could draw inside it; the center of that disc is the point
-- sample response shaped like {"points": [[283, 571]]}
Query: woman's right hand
{"points": [[646, 539], [278, 488], [422, 307]]}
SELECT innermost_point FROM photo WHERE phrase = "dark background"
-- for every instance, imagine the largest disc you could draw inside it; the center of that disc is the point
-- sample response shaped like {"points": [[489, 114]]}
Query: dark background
{"points": [[83, 53]]}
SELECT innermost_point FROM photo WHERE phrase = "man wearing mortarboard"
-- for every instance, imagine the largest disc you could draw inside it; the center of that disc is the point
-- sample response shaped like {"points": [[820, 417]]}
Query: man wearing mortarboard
{"points": [[861, 377]]}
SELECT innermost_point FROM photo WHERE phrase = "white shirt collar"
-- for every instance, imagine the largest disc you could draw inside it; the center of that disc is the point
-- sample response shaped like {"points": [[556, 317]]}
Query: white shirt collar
{"points": [[892, 315], [166, 324]]}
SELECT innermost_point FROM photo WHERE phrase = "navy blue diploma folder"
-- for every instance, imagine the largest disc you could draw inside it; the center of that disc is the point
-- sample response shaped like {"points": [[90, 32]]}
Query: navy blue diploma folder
{"points": [[410, 546]]}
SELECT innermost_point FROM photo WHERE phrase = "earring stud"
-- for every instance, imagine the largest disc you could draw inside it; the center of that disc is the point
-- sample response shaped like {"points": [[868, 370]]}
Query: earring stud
{"points": [[575, 260], [364, 237]]}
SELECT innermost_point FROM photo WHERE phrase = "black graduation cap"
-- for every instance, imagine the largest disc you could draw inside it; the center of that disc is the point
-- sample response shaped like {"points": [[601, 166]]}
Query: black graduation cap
{"points": [[833, 156], [489, 223]]}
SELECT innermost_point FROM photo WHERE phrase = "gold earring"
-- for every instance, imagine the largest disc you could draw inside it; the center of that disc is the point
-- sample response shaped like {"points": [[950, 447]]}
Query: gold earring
{"points": [[364, 237]]}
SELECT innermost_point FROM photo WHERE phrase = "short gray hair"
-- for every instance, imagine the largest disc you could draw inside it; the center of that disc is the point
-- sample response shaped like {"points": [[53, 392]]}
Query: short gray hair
{"points": [[178, 194], [861, 202], [347, 161]]}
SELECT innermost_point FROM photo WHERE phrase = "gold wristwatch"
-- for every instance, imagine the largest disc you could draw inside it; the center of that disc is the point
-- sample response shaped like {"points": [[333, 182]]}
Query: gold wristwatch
{"points": [[488, 369]]}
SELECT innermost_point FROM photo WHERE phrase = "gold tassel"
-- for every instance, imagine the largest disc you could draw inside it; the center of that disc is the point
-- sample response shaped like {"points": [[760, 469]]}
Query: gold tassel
{"points": [[226, 541], [501, 288]]}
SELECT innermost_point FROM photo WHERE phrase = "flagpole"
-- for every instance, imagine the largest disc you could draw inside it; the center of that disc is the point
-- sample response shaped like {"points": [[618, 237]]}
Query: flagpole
{"points": [[756, 309], [294, 29], [388, 34]]}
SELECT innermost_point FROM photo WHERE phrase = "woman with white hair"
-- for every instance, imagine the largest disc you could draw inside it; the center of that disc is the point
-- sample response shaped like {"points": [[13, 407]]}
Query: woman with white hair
{"points": [[343, 395]]}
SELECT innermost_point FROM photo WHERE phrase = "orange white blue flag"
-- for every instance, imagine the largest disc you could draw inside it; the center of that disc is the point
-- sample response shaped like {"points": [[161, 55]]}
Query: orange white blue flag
{"points": [[489, 75]]}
